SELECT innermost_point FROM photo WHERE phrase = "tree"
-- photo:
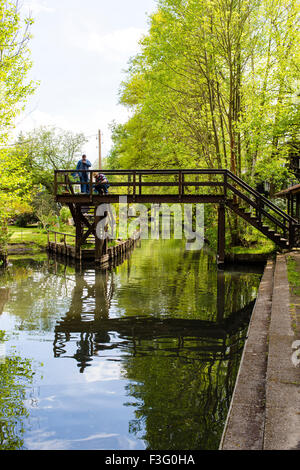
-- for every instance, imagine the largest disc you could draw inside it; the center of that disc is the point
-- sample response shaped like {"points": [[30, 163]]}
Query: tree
{"points": [[47, 149], [213, 86], [14, 89], [14, 64], [16, 191]]}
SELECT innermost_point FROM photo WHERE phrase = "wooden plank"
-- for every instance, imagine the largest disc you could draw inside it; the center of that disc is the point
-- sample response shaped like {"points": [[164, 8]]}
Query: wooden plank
{"points": [[143, 198]]}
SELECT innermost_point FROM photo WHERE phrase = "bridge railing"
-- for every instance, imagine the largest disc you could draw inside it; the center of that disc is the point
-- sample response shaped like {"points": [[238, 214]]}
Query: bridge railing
{"points": [[60, 237], [141, 182]]}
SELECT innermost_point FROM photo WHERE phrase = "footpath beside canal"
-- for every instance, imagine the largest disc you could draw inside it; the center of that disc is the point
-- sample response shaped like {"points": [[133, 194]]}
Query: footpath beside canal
{"points": [[265, 409]]}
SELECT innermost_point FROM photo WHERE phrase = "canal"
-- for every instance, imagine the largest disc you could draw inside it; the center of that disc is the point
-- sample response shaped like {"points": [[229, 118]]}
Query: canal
{"points": [[143, 355]]}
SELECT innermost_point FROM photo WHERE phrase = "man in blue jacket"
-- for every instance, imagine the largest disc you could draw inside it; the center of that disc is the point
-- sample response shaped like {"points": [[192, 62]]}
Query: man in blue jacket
{"points": [[84, 164]]}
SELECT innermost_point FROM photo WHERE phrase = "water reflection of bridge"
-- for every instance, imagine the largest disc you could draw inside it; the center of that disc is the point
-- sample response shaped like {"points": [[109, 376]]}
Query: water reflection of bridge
{"points": [[142, 336], [87, 327]]}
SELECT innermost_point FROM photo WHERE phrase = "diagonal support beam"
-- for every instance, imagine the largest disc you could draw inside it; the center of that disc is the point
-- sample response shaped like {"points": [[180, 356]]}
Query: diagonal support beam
{"points": [[91, 230]]}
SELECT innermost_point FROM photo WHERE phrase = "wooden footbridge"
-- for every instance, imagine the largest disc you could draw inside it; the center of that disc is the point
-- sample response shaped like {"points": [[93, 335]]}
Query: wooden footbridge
{"points": [[220, 187]]}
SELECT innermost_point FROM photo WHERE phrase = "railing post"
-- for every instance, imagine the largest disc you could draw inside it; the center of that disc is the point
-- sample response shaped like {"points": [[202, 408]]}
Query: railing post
{"points": [[285, 228], [179, 184], [91, 185], [140, 183], [134, 185], [129, 184], [225, 185]]}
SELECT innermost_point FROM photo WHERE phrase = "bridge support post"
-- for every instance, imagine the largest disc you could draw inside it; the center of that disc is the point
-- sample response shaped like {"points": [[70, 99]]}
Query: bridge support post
{"points": [[79, 231], [100, 243], [221, 235]]}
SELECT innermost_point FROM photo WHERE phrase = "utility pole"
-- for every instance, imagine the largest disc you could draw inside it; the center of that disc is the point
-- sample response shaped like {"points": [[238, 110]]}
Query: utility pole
{"points": [[99, 145]]}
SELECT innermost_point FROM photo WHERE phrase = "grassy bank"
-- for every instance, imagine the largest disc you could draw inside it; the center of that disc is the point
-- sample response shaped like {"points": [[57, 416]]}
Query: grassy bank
{"points": [[293, 275], [261, 247], [30, 238], [36, 239], [27, 236]]}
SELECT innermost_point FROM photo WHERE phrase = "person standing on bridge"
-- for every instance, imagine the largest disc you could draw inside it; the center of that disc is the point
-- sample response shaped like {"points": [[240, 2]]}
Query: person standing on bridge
{"points": [[84, 164]]}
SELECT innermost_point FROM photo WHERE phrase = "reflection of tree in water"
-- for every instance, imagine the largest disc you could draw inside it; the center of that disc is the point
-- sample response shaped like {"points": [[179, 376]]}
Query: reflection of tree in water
{"points": [[38, 292], [181, 283], [182, 402], [4, 296], [15, 375]]}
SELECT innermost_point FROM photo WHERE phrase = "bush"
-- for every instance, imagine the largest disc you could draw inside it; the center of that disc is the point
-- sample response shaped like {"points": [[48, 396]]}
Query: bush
{"points": [[4, 237], [64, 215], [45, 209], [47, 221], [25, 219]]}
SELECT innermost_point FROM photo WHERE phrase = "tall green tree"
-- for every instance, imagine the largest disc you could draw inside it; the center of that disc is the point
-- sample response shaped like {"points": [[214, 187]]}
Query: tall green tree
{"points": [[15, 88], [213, 86], [15, 63]]}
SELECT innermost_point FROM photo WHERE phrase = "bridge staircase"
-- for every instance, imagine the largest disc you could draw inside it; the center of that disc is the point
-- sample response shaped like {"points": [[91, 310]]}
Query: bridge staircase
{"points": [[261, 213]]}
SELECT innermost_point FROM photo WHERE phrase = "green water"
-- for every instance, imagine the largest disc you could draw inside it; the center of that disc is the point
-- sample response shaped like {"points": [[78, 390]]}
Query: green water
{"points": [[140, 356]]}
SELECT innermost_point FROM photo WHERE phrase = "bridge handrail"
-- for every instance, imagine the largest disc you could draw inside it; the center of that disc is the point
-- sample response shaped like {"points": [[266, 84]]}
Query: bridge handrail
{"points": [[261, 197], [62, 233]]}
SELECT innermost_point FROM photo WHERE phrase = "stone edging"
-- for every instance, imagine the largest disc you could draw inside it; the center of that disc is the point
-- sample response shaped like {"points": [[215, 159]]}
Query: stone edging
{"points": [[244, 427]]}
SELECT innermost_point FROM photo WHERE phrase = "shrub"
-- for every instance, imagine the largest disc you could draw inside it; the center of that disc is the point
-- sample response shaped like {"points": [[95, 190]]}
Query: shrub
{"points": [[65, 215], [25, 219]]}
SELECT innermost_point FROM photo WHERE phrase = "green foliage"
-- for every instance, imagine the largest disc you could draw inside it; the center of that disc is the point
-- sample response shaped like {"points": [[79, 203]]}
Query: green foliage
{"points": [[47, 149], [25, 219], [4, 237], [14, 64], [293, 275], [64, 215], [45, 209], [215, 85], [15, 374], [15, 190]]}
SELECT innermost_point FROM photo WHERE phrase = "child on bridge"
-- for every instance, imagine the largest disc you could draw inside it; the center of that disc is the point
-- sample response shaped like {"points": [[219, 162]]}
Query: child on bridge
{"points": [[102, 184]]}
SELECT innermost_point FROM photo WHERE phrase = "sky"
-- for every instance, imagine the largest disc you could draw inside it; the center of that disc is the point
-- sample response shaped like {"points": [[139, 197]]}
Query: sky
{"points": [[80, 51]]}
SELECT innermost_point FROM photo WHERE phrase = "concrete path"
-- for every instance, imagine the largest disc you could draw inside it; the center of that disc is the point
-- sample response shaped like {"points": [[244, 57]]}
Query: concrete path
{"points": [[265, 408]]}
